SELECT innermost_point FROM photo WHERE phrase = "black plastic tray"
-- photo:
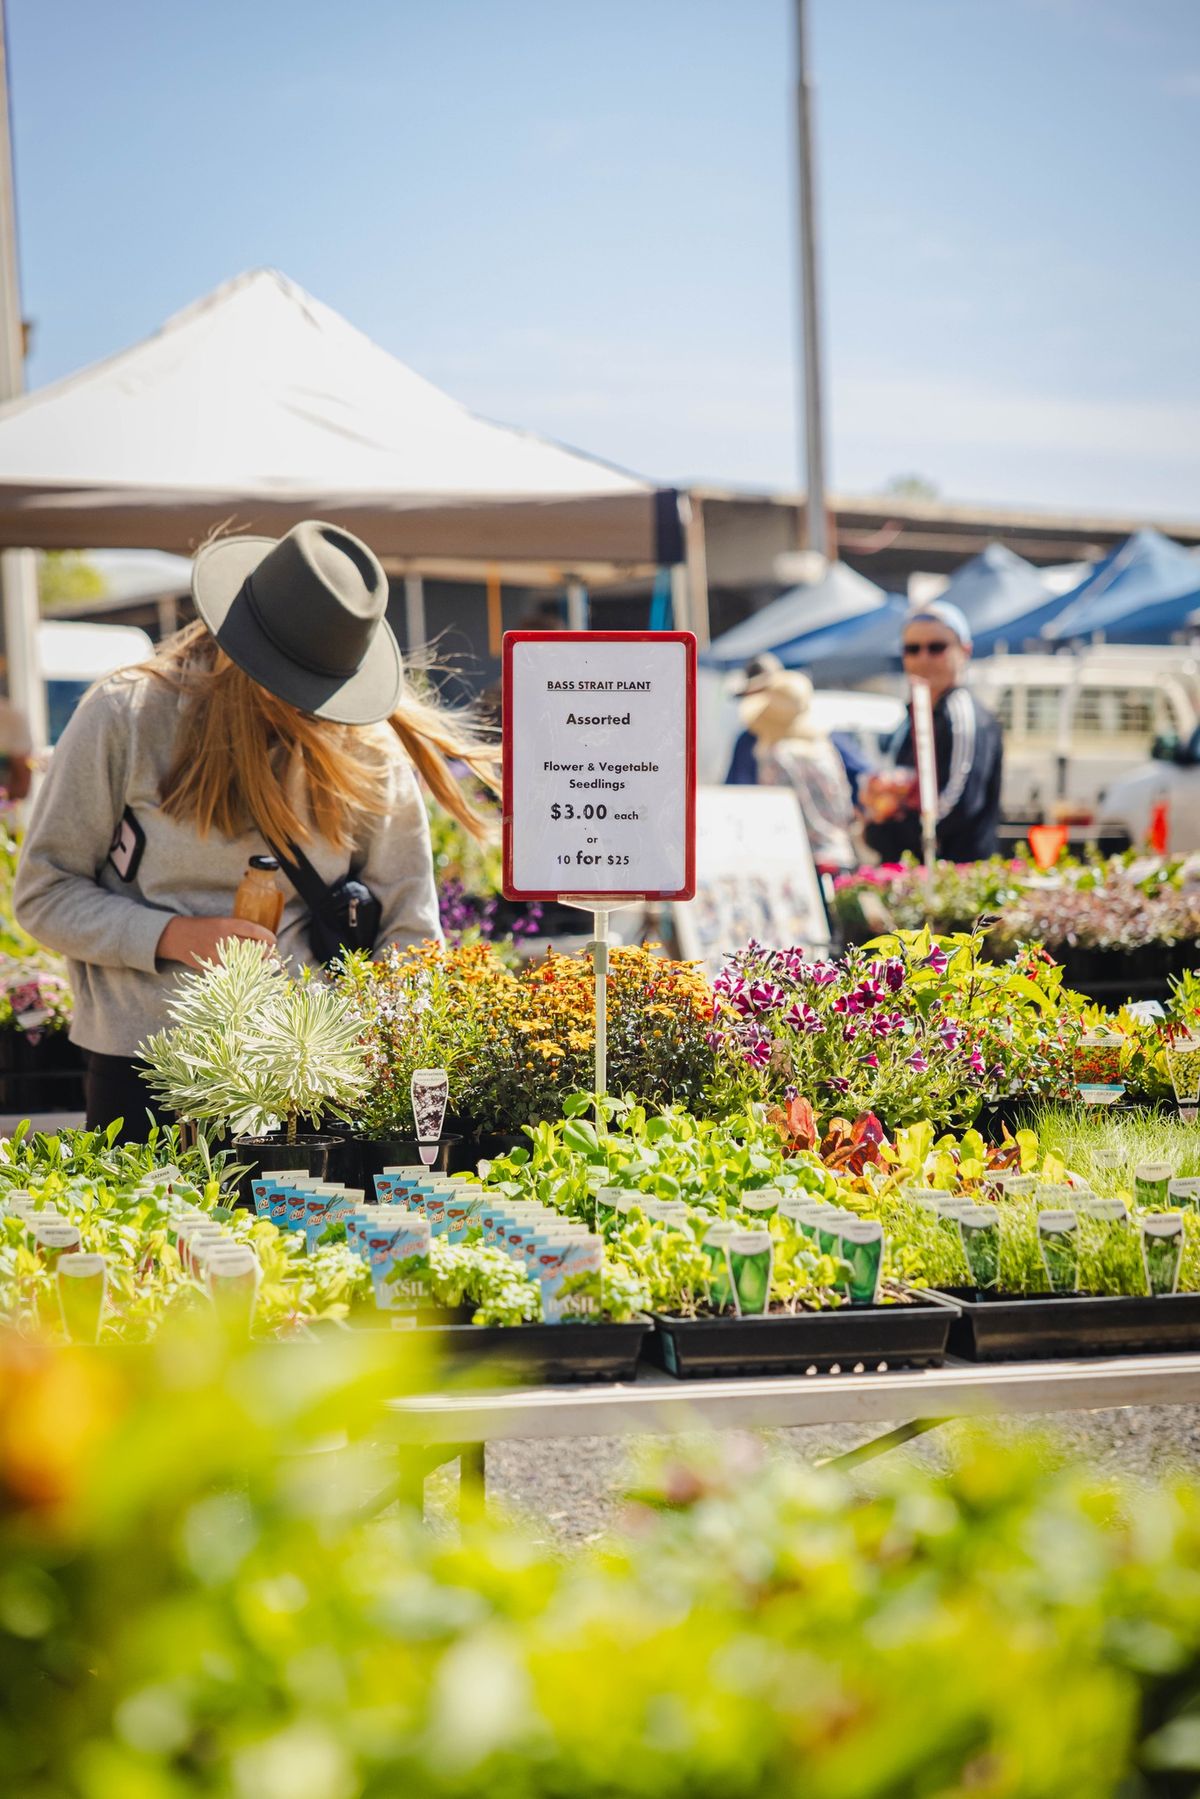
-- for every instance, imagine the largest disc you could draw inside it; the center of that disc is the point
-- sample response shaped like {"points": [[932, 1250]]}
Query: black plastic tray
{"points": [[1017, 1327], [542, 1352], [850, 1340]]}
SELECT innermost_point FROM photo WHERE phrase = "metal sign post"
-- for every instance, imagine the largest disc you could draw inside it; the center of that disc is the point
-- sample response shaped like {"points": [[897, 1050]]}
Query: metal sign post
{"points": [[599, 778]]}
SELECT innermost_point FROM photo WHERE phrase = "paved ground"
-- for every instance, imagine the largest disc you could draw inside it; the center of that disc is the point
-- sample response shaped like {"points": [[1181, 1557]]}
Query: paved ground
{"points": [[570, 1491]]}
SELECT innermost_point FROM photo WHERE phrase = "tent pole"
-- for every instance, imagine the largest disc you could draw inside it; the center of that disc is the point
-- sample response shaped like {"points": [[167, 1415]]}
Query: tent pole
{"points": [[414, 611], [681, 611], [18, 568], [577, 606], [810, 324], [696, 553]]}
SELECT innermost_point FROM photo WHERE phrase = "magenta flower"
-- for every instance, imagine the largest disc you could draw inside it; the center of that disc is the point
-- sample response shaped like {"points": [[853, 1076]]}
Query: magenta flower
{"points": [[871, 1061], [868, 993], [850, 1031], [937, 959], [895, 974], [765, 996], [840, 1082], [822, 973], [918, 1063], [803, 1018], [758, 1053], [949, 1034]]}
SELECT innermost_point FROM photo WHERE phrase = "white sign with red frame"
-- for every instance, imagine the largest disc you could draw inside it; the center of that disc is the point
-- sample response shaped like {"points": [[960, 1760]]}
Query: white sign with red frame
{"points": [[599, 765]]}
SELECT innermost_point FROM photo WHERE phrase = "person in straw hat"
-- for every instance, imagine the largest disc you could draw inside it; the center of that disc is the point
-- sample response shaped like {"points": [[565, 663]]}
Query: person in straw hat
{"points": [[792, 751], [280, 721]]}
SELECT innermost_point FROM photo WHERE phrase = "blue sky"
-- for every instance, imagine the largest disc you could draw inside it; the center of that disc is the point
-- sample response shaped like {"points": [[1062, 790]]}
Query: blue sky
{"points": [[579, 218]]}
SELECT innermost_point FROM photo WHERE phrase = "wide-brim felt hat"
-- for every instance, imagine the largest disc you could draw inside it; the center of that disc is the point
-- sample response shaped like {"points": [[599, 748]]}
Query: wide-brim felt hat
{"points": [[304, 615]]}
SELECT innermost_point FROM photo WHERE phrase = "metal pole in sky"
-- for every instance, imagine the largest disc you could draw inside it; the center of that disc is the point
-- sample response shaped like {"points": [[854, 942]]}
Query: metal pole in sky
{"points": [[18, 570], [810, 323]]}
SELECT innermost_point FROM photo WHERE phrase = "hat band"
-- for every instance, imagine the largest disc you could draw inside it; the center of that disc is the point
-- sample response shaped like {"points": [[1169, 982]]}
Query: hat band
{"points": [[307, 662]]}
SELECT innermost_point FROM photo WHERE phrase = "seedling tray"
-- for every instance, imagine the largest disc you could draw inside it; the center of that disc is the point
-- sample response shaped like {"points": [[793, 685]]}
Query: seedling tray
{"points": [[551, 1353], [1019, 1327], [850, 1340]]}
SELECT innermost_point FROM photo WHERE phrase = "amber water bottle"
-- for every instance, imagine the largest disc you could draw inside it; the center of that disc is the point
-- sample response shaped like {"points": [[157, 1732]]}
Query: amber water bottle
{"points": [[259, 898]]}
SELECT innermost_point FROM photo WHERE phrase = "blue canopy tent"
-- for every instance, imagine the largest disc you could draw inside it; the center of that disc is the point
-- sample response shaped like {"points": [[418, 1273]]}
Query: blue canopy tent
{"points": [[845, 654], [1141, 592], [1000, 593], [839, 595]]}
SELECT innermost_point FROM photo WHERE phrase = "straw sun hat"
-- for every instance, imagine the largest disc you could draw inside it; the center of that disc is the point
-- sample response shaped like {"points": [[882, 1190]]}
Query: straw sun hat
{"points": [[780, 708], [304, 616]]}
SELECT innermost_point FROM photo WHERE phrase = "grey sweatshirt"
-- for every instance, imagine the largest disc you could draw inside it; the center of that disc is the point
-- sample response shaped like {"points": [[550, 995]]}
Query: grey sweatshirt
{"points": [[115, 753]]}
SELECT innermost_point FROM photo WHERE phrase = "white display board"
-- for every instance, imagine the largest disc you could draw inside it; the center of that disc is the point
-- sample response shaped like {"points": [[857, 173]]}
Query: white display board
{"points": [[599, 764], [755, 877]]}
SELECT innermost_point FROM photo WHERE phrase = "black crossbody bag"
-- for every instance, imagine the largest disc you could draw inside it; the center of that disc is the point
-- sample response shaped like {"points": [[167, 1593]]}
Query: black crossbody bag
{"points": [[344, 916]]}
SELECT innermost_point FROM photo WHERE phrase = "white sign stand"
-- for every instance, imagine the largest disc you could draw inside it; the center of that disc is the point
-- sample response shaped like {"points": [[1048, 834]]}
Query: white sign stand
{"points": [[927, 787], [599, 775]]}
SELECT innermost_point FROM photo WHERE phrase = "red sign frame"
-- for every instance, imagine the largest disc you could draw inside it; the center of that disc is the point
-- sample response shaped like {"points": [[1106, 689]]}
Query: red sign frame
{"points": [[608, 894]]}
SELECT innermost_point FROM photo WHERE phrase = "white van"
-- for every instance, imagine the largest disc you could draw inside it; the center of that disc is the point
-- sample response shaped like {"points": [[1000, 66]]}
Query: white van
{"points": [[1076, 722], [73, 656]]}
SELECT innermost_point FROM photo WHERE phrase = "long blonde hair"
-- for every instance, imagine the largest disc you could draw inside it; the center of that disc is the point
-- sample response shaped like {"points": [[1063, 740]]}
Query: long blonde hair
{"points": [[236, 745]]}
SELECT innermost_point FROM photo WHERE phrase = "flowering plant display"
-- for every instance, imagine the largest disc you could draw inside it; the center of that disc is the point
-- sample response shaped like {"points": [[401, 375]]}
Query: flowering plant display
{"points": [[952, 898], [538, 1038], [35, 994], [908, 1026], [1114, 903], [421, 1007], [1119, 914]]}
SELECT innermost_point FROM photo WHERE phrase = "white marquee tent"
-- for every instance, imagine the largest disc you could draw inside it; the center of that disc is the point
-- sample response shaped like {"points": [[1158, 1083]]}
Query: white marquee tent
{"points": [[258, 406]]}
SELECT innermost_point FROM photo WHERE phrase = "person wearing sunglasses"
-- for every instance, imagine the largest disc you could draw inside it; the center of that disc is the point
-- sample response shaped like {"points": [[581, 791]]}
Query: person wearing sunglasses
{"points": [[968, 751]]}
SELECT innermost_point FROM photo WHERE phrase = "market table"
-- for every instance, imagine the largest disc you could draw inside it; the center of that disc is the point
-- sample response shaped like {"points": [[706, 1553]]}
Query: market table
{"points": [[461, 1424]]}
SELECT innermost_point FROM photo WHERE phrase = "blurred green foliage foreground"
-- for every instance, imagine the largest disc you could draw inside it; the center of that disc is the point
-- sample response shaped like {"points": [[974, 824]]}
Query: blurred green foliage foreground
{"points": [[200, 1595]]}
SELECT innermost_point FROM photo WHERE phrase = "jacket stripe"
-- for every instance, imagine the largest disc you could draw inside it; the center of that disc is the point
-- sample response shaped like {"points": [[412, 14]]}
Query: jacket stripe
{"points": [[960, 715]]}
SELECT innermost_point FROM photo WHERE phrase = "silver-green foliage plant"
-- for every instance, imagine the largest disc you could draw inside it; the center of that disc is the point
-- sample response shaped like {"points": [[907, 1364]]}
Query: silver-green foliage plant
{"points": [[252, 1048]]}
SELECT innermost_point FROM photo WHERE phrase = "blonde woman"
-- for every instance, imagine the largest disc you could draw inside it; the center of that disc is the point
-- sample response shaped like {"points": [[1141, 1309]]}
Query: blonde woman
{"points": [[282, 718]]}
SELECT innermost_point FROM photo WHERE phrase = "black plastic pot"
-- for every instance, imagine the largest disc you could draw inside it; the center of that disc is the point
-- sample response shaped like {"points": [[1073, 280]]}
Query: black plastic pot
{"points": [[1018, 1327], [46, 1076], [542, 1352], [487, 1146], [850, 1340], [307, 1152]]}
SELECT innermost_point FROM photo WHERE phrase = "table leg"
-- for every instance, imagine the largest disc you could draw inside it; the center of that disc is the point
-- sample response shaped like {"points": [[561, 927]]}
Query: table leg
{"points": [[892, 1439], [472, 1477]]}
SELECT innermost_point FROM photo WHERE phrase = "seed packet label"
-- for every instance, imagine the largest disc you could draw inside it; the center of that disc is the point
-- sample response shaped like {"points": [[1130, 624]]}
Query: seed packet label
{"points": [[1152, 1183], [461, 1214], [82, 1280], [599, 764], [716, 1248], [1058, 1240], [555, 1264], [1103, 1211], [387, 1251], [751, 1255], [1162, 1251], [979, 1231], [762, 1201], [323, 1210], [1184, 1190], [862, 1252], [1017, 1186]]}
